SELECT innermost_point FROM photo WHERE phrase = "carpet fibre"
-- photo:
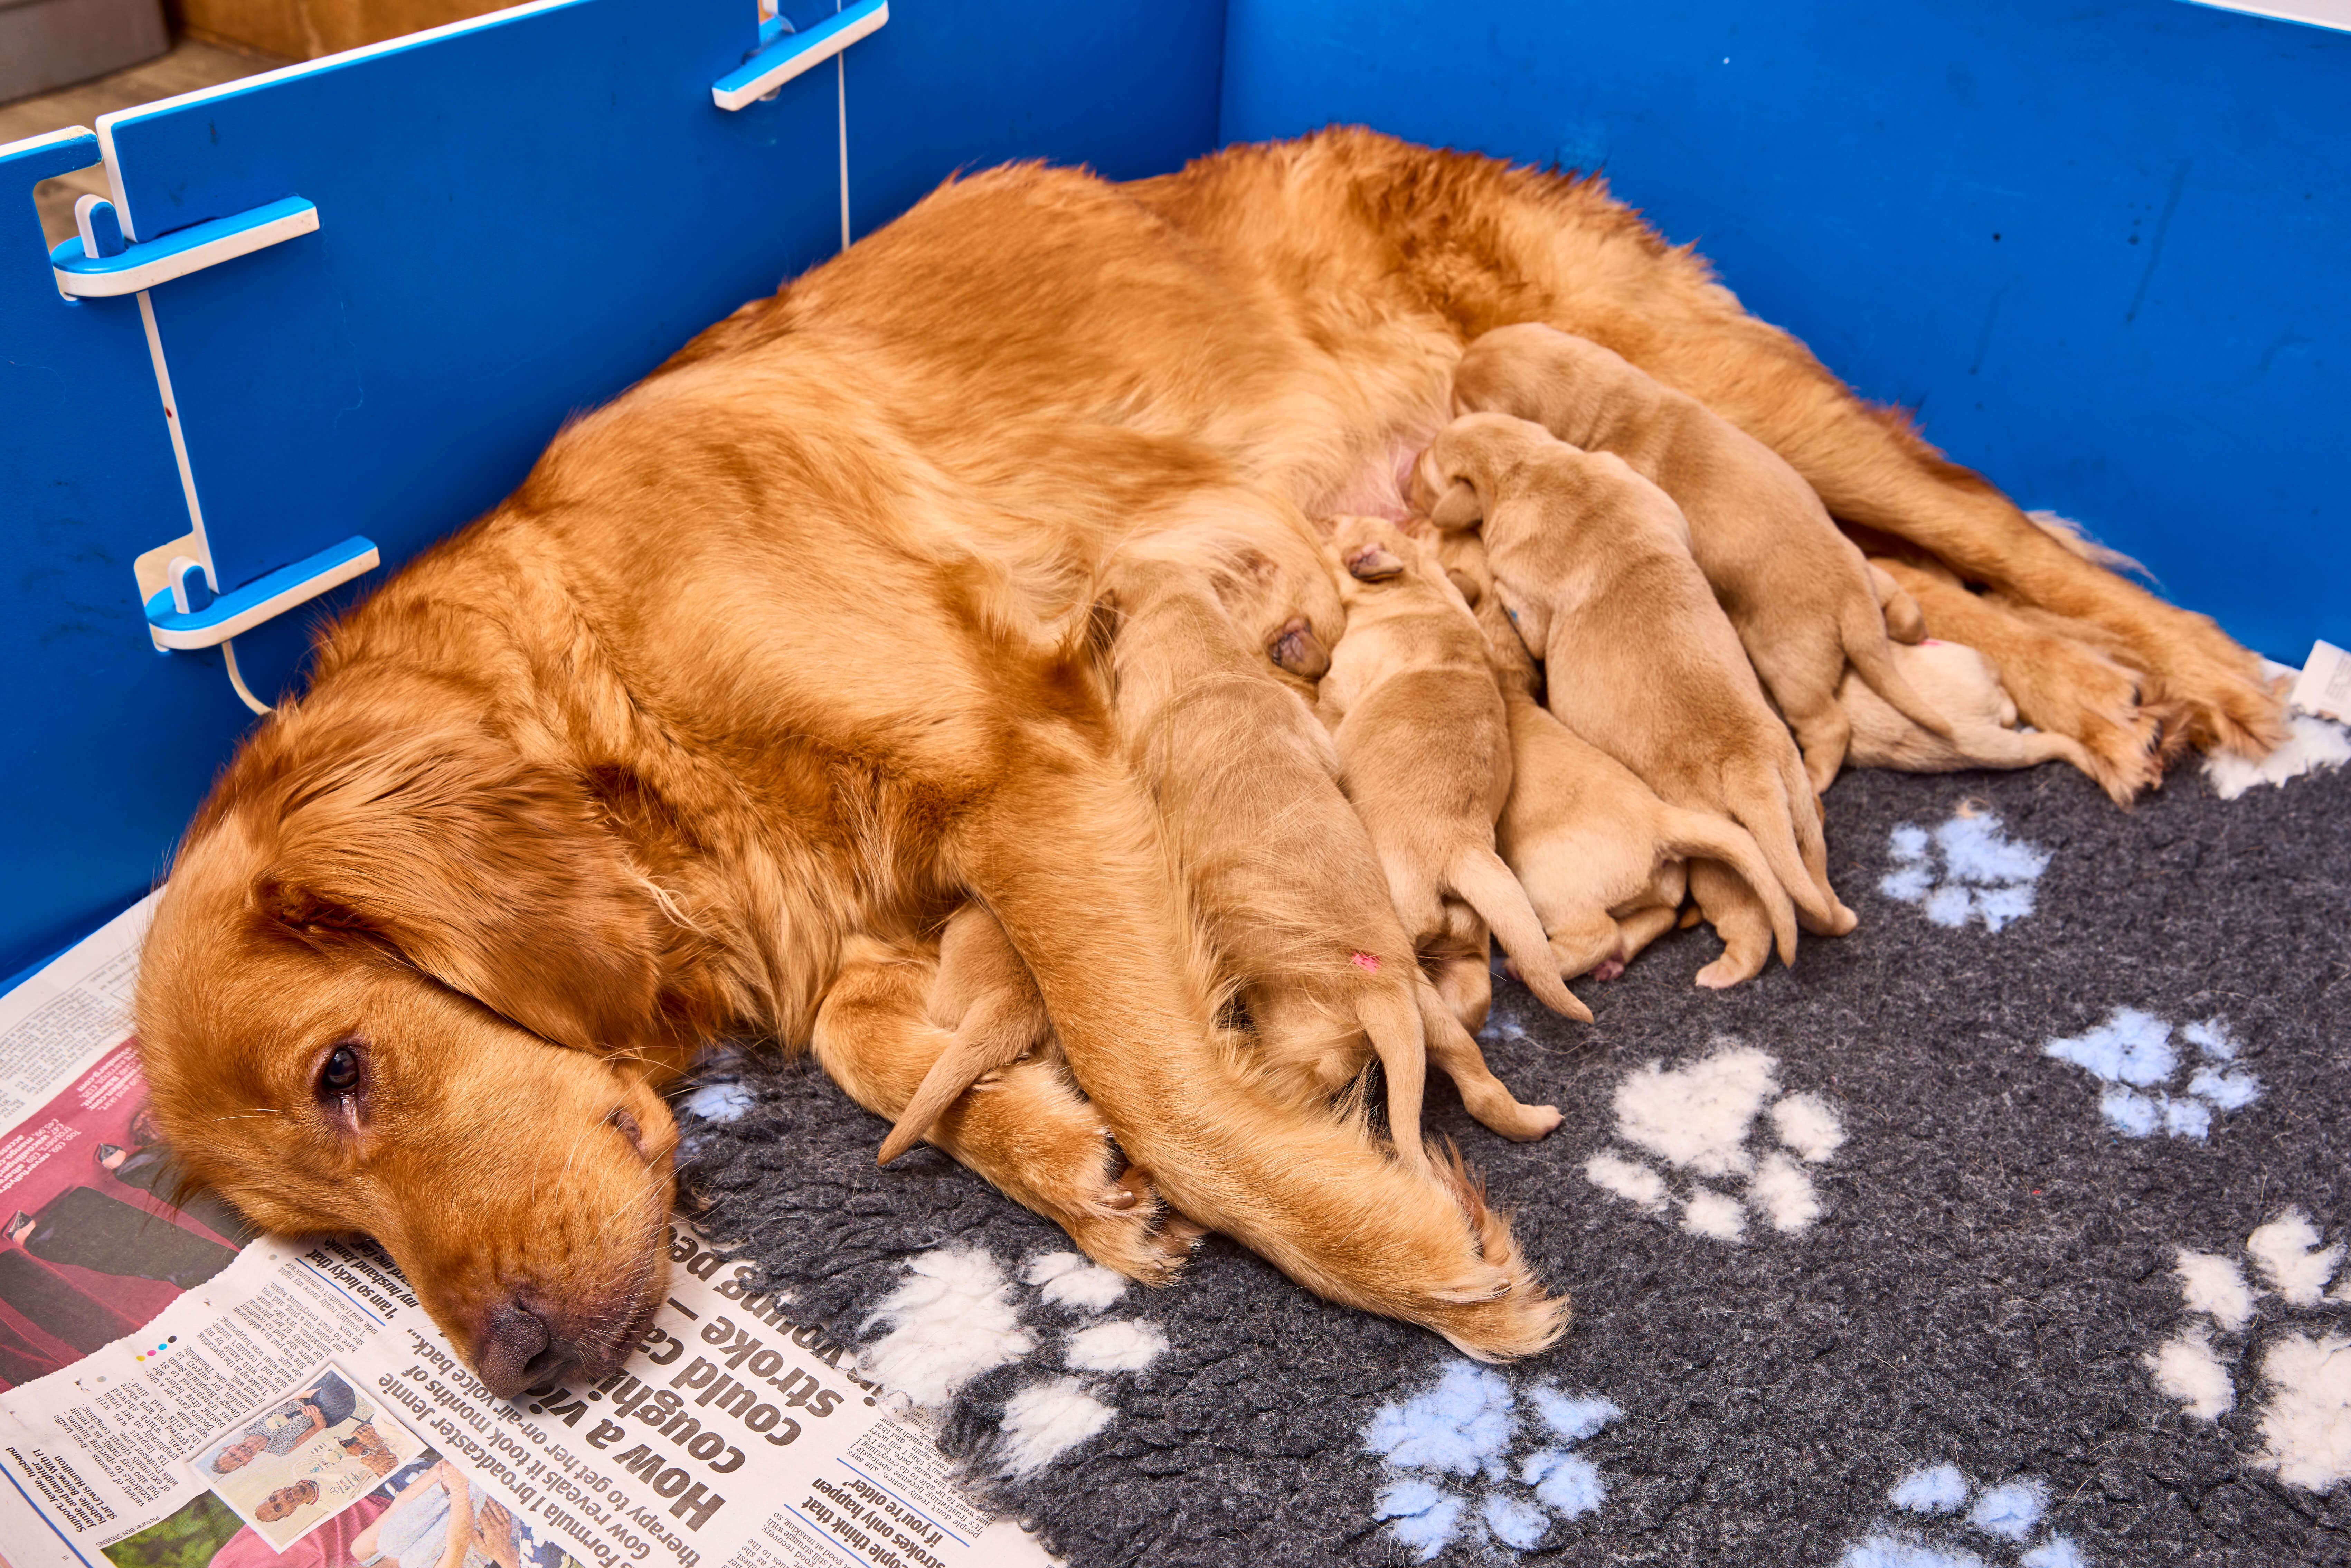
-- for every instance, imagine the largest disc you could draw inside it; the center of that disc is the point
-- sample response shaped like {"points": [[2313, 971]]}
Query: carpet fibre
{"points": [[2007, 1229]]}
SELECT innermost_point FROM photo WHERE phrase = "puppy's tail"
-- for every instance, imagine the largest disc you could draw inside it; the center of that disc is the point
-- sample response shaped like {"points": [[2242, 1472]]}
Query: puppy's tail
{"points": [[1393, 1024], [1867, 649], [1479, 875], [1065, 851], [1699, 835]]}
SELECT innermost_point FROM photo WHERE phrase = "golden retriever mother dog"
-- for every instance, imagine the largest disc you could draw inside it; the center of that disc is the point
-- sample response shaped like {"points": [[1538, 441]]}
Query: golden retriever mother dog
{"points": [[788, 644]]}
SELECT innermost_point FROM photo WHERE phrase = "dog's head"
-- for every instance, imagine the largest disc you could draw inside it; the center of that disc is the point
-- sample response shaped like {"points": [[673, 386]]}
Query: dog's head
{"points": [[401, 985], [1453, 483]]}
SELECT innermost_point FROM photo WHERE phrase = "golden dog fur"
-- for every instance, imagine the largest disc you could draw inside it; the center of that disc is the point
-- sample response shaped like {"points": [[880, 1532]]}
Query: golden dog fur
{"points": [[1797, 591], [984, 996], [778, 658]]}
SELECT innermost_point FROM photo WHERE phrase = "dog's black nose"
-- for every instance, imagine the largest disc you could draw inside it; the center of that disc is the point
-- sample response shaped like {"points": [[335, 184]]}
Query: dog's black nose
{"points": [[515, 1350]]}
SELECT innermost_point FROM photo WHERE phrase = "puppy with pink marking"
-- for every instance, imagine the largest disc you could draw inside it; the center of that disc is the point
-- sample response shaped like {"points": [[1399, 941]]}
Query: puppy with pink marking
{"points": [[1282, 874]]}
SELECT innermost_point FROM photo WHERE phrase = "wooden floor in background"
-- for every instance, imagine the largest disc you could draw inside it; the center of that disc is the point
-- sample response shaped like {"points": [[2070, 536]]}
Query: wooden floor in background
{"points": [[190, 65]]}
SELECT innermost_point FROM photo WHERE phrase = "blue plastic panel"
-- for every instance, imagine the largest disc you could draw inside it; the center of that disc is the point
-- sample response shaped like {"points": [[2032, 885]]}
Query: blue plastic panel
{"points": [[107, 743], [1130, 88], [2102, 249], [516, 221]]}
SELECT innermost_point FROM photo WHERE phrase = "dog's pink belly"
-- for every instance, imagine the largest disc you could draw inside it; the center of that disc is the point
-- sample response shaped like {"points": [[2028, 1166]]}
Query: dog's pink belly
{"points": [[1380, 486]]}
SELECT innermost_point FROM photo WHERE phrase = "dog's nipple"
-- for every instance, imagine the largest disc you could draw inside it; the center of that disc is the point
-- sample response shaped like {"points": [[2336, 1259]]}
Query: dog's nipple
{"points": [[1367, 961]]}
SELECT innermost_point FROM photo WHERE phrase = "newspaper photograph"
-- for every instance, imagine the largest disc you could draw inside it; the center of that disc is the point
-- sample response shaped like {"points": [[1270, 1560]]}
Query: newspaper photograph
{"points": [[183, 1394]]}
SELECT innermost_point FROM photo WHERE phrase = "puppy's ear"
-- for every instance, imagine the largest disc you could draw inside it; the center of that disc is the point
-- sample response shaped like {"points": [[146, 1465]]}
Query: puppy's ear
{"points": [[1457, 507], [491, 875], [1374, 563], [1297, 649], [1465, 585]]}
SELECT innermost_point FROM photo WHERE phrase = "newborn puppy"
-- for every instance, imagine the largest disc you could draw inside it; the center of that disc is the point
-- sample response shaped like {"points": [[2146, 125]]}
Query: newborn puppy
{"points": [[1281, 872], [1425, 751], [984, 995], [1600, 856], [1799, 593], [1591, 562], [1964, 686]]}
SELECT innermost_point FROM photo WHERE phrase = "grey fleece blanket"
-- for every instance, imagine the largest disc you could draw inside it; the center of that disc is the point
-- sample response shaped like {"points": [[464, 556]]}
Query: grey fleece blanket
{"points": [[2007, 1229]]}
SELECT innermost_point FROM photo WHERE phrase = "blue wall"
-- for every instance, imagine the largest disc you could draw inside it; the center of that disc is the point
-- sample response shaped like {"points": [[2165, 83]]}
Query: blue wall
{"points": [[2102, 249]]}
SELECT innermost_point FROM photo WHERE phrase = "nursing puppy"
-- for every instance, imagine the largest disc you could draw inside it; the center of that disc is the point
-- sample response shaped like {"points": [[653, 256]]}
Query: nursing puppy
{"points": [[1592, 563], [1798, 592], [1600, 856], [1964, 686], [985, 995], [1425, 752], [1282, 874]]}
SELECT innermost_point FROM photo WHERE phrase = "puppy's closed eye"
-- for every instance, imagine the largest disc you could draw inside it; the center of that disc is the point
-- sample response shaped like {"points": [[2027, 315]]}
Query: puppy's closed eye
{"points": [[1296, 649], [1373, 563]]}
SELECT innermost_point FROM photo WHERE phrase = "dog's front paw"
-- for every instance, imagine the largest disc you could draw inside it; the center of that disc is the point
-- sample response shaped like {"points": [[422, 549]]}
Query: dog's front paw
{"points": [[1124, 1225]]}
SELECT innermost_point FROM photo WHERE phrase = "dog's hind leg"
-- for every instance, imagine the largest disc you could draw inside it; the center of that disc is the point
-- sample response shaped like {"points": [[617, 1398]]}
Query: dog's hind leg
{"points": [[1026, 1131], [1064, 847], [984, 995], [2053, 677], [1738, 916]]}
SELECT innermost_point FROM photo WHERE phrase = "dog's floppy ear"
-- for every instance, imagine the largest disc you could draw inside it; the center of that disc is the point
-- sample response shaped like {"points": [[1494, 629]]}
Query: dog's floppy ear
{"points": [[489, 873], [1373, 562]]}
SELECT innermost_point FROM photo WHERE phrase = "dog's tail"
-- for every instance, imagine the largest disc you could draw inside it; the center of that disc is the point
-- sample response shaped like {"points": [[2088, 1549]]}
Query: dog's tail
{"points": [[1868, 650], [1700, 836], [1065, 851], [1479, 875]]}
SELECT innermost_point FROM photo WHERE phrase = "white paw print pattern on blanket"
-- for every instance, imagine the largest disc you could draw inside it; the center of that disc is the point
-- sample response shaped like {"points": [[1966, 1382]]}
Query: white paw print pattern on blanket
{"points": [[1967, 869], [1698, 1119], [2304, 1377], [955, 1316], [1953, 1522], [2133, 1054], [1459, 1437]]}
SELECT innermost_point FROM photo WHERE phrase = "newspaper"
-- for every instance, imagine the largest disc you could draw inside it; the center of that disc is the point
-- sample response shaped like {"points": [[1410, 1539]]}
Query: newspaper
{"points": [[179, 1394]]}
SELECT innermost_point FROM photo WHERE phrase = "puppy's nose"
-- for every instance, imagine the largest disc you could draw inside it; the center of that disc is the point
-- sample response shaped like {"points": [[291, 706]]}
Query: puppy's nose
{"points": [[515, 1350]]}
